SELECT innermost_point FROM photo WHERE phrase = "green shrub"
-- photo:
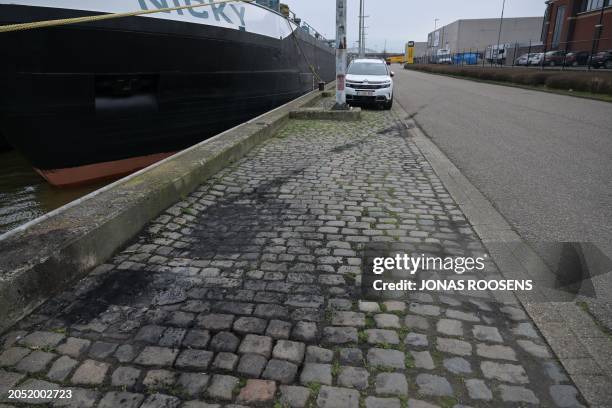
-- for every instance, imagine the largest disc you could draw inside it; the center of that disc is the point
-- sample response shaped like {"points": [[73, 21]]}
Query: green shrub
{"points": [[600, 83], [534, 78]]}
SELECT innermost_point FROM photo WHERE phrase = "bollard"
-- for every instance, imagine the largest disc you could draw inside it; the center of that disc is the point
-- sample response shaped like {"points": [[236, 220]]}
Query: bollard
{"points": [[321, 86]]}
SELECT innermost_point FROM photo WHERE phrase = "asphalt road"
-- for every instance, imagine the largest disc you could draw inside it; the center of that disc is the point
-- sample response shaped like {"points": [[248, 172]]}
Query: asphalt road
{"points": [[543, 160]]}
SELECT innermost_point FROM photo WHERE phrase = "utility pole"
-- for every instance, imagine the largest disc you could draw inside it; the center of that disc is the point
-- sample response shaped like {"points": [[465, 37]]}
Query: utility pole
{"points": [[501, 22], [340, 55], [360, 13], [361, 28]]}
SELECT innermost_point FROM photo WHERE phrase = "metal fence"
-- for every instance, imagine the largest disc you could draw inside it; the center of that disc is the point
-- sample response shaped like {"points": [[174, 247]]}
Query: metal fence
{"points": [[534, 54]]}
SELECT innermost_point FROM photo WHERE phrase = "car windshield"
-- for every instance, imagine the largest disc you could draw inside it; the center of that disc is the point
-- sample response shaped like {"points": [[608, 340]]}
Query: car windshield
{"points": [[367, 68]]}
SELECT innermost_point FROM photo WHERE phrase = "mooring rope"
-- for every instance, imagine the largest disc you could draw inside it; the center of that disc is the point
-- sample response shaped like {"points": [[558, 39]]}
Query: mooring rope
{"points": [[313, 70]]}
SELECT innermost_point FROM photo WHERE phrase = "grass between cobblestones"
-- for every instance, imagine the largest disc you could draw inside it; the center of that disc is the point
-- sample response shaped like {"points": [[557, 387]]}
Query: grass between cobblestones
{"points": [[255, 276]]}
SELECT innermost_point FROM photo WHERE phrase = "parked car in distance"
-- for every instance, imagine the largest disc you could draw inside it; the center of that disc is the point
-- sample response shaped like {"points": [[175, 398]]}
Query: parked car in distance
{"points": [[369, 81], [536, 59], [523, 59], [602, 59], [554, 58], [576, 58]]}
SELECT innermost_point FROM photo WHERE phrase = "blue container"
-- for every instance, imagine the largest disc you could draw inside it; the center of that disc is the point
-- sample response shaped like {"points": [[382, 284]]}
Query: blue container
{"points": [[466, 58]]}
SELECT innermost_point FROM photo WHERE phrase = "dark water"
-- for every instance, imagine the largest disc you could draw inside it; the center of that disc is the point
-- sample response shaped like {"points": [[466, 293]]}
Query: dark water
{"points": [[24, 195]]}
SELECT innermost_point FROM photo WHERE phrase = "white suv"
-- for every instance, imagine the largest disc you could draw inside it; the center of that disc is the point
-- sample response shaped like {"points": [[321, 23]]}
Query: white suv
{"points": [[369, 81]]}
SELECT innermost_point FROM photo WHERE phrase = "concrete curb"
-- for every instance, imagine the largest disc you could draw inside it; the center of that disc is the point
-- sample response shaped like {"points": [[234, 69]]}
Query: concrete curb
{"points": [[43, 257], [579, 344]]}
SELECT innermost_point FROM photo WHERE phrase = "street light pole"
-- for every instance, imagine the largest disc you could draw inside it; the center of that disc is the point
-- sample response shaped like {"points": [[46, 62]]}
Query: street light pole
{"points": [[501, 22], [433, 55], [597, 34], [341, 55]]}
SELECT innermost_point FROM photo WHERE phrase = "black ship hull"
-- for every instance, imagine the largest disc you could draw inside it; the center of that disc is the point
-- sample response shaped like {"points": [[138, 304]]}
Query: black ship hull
{"points": [[4, 144], [103, 99]]}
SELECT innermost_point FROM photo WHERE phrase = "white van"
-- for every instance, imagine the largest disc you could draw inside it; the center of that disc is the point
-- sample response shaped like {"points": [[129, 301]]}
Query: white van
{"points": [[443, 56]]}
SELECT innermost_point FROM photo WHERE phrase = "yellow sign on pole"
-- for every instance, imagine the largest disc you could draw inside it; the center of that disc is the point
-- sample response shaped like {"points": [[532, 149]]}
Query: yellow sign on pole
{"points": [[410, 52]]}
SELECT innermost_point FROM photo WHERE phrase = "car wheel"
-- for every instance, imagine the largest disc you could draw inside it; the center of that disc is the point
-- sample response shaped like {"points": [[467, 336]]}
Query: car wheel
{"points": [[552, 63], [388, 105], [575, 64], [608, 64]]}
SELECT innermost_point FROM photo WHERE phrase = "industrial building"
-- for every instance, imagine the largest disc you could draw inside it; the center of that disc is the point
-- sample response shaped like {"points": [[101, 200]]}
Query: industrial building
{"points": [[420, 49], [578, 25], [478, 34]]}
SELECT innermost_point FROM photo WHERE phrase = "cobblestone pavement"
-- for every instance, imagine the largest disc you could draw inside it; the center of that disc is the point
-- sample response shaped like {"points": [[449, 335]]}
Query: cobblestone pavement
{"points": [[246, 293]]}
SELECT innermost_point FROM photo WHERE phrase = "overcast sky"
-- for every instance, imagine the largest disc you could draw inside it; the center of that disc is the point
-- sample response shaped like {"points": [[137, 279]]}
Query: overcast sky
{"points": [[399, 21]]}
